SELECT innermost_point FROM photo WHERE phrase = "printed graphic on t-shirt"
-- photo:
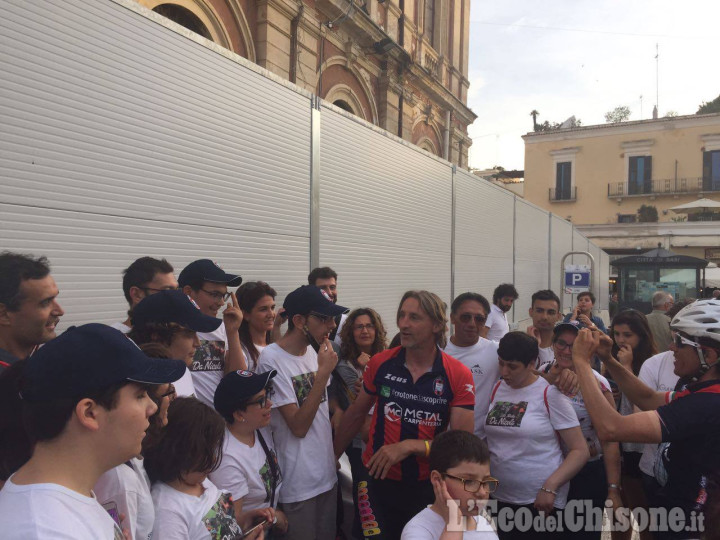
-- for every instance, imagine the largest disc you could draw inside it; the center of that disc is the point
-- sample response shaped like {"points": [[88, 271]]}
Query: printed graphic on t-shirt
{"points": [[507, 414], [477, 370], [209, 356], [220, 522], [302, 384], [266, 476]]}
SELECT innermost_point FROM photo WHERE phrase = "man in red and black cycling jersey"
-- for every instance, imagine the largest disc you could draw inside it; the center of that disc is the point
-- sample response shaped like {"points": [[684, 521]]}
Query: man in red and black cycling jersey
{"points": [[418, 392], [688, 420]]}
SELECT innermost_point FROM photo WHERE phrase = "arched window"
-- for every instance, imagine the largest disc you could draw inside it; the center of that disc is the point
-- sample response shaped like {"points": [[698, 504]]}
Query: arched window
{"points": [[344, 105], [184, 17]]}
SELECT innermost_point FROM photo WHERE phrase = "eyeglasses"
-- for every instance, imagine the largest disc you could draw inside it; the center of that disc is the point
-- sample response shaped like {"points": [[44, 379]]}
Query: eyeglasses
{"points": [[681, 341], [473, 486], [467, 317], [146, 289], [323, 318], [170, 392], [361, 327], [562, 345], [263, 401], [215, 295]]}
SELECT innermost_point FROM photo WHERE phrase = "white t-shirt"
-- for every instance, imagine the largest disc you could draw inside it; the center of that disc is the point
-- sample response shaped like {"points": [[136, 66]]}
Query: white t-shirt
{"points": [[184, 386], [658, 373], [429, 525], [125, 329], [482, 360], [208, 365], [246, 472], [308, 463], [591, 437], [128, 488], [524, 448], [51, 511], [251, 366], [545, 356], [496, 323], [179, 516]]}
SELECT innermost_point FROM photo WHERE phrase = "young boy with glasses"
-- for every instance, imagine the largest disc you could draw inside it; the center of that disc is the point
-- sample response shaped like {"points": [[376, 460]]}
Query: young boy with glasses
{"points": [[220, 351], [460, 475], [300, 420]]}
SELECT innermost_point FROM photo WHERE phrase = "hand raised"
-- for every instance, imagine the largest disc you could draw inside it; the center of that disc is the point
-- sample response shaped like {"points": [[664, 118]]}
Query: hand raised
{"points": [[586, 343], [327, 359], [232, 316]]}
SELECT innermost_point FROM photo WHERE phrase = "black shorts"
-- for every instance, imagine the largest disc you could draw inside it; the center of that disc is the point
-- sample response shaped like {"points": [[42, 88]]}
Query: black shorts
{"points": [[631, 464]]}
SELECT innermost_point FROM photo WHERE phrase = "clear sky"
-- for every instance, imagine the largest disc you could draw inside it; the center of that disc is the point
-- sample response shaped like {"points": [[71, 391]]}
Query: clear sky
{"points": [[583, 58]]}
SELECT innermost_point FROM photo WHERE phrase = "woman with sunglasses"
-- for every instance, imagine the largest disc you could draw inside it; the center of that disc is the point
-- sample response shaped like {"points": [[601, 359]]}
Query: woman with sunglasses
{"points": [[633, 344], [527, 421], [125, 489], [260, 322], [249, 468], [599, 479]]}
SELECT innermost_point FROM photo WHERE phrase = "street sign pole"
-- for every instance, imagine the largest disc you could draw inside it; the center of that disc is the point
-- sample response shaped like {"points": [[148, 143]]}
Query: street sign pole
{"points": [[562, 275]]}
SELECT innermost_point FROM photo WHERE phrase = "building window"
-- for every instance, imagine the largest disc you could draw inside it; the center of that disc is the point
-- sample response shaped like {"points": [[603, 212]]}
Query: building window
{"points": [[711, 170], [626, 218], [344, 105], [184, 17], [429, 21], [563, 181], [640, 175]]}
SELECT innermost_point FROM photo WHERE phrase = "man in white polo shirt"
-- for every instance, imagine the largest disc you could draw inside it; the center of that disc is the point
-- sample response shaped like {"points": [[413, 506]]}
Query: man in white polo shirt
{"points": [[496, 325]]}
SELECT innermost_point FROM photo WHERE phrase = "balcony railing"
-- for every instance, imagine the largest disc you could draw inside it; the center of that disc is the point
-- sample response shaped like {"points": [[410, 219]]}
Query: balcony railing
{"points": [[563, 195], [671, 186]]}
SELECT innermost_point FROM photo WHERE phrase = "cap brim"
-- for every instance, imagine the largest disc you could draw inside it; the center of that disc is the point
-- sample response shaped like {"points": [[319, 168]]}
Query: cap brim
{"points": [[231, 280], [568, 326], [158, 371], [204, 323], [333, 310]]}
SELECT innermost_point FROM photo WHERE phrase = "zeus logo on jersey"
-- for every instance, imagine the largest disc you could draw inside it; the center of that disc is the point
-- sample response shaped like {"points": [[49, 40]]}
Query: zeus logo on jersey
{"points": [[395, 413], [389, 377]]}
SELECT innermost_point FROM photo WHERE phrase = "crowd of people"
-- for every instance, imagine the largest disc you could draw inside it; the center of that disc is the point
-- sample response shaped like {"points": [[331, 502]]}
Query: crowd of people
{"points": [[185, 422]]}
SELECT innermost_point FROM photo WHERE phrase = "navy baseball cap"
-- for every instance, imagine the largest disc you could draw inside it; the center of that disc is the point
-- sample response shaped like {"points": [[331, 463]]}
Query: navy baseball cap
{"points": [[573, 324], [207, 270], [172, 307], [89, 358], [237, 387], [309, 298]]}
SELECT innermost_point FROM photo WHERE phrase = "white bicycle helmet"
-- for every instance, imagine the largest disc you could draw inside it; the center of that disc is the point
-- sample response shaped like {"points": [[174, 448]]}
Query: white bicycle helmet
{"points": [[699, 319]]}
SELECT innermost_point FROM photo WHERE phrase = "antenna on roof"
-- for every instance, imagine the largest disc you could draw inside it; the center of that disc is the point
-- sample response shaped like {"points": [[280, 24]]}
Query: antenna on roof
{"points": [[657, 77]]}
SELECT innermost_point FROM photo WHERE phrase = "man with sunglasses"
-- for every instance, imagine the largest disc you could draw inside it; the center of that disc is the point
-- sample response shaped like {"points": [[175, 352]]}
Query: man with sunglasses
{"points": [[468, 314], [220, 352], [145, 276], [688, 420], [304, 359]]}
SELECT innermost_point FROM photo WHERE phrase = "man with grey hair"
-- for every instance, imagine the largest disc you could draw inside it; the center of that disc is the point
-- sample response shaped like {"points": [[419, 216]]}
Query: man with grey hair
{"points": [[659, 322]]}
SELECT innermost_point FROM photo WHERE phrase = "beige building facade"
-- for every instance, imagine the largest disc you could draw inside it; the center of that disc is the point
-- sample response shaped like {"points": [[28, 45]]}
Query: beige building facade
{"points": [[399, 64], [599, 177]]}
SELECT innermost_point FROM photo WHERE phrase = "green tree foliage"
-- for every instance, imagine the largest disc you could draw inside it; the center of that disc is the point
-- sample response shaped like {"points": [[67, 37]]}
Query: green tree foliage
{"points": [[647, 214], [617, 115], [708, 107]]}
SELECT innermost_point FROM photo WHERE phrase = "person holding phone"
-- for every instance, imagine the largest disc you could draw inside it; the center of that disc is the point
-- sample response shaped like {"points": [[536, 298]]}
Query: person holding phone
{"points": [[583, 312], [300, 419], [249, 468]]}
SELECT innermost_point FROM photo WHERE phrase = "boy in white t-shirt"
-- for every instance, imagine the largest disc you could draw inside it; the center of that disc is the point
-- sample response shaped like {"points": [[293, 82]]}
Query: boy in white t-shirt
{"points": [[300, 415], [220, 351], [460, 475], [85, 402]]}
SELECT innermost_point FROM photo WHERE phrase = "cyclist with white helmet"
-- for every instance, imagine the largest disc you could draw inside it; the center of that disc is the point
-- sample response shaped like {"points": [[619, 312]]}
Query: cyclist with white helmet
{"points": [[689, 420]]}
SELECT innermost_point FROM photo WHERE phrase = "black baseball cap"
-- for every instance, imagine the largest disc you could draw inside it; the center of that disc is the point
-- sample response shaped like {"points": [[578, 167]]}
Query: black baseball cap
{"points": [[573, 324], [309, 298], [237, 387], [89, 358], [172, 307], [207, 270]]}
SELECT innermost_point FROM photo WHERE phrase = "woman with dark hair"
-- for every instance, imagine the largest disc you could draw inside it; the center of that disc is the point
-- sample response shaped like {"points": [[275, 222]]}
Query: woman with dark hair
{"points": [[249, 469], [187, 504], [633, 343], [125, 489], [526, 423], [257, 302], [362, 336]]}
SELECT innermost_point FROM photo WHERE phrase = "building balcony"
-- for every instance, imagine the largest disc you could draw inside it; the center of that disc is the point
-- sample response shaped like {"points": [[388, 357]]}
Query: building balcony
{"points": [[671, 186], [563, 195]]}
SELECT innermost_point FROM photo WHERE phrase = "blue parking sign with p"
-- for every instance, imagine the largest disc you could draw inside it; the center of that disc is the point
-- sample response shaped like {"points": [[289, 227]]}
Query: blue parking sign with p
{"points": [[577, 278]]}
